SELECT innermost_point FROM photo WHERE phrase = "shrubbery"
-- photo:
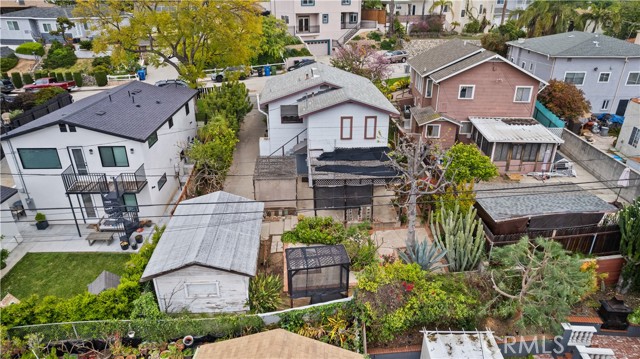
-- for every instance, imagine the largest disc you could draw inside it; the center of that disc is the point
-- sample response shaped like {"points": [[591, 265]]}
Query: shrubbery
{"points": [[16, 79], [9, 62], [296, 52], [29, 48], [47, 94], [115, 303], [27, 79], [86, 44], [77, 77], [374, 35], [264, 293], [60, 56], [101, 78]]}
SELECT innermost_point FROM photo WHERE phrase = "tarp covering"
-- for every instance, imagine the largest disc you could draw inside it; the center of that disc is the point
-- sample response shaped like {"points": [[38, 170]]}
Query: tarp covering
{"points": [[356, 154]]}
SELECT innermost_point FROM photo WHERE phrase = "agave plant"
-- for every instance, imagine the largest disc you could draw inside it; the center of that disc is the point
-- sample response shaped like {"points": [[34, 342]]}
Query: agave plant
{"points": [[425, 254]]}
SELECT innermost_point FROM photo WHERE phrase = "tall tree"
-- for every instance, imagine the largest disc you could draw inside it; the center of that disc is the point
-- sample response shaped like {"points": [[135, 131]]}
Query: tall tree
{"points": [[601, 13], [626, 22], [469, 165], [565, 100], [63, 25], [196, 33], [440, 3], [419, 175], [548, 17], [362, 60]]}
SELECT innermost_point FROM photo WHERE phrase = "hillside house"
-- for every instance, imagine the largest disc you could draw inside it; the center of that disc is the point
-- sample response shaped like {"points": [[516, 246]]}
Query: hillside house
{"points": [[605, 68], [111, 155]]}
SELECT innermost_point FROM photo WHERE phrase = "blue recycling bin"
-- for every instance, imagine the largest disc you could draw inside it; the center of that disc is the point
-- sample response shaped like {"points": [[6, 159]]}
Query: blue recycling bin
{"points": [[141, 75], [267, 70]]}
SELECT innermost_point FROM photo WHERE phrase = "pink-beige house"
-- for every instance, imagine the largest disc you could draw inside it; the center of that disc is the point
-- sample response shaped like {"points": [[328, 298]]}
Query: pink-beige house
{"points": [[457, 81]]}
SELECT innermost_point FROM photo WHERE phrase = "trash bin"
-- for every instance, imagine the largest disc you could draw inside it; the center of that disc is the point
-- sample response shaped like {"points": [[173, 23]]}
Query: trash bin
{"points": [[604, 131], [260, 71], [144, 68], [267, 71], [141, 75]]}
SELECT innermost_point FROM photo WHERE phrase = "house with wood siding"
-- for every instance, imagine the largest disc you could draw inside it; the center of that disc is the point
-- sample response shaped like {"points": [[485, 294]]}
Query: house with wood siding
{"points": [[458, 80]]}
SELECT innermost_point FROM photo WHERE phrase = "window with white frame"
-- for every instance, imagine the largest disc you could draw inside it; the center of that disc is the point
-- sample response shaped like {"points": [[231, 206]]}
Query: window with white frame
{"points": [[523, 94], [576, 78], [531, 67], [353, 18], [633, 78], [433, 131], [500, 2], [466, 92], [523, 64], [512, 59], [346, 128], [635, 137], [429, 88], [285, 18], [370, 127], [325, 18], [466, 128], [420, 84], [604, 77], [308, 2], [47, 27], [202, 289], [462, 13], [13, 25], [605, 105], [346, 2]]}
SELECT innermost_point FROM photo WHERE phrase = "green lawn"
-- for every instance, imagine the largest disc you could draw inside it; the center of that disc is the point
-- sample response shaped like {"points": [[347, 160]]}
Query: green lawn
{"points": [[396, 79], [60, 274]]}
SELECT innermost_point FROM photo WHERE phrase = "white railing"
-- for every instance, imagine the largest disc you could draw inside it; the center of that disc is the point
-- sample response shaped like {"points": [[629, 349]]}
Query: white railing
{"points": [[580, 334], [127, 77], [595, 353]]}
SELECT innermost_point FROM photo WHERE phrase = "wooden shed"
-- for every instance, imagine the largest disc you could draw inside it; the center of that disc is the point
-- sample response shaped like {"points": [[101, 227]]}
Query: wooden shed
{"points": [[207, 254]]}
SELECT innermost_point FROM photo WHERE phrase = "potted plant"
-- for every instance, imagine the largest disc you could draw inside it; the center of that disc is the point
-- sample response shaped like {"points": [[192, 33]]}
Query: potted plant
{"points": [[187, 353], [134, 245], [124, 245], [188, 340], [41, 221], [139, 238]]}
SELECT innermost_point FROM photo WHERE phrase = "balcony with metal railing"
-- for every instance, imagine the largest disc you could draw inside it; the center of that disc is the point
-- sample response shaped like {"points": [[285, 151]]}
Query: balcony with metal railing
{"points": [[131, 182], [75, 183], [310, 29]]}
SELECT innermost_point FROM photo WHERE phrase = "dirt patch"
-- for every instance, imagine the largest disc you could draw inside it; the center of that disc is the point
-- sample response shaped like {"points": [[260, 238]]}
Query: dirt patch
{"points": [[23, 66]]}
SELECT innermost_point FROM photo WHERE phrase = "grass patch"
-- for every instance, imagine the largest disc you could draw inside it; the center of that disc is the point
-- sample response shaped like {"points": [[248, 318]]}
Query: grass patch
{"points": [[60, 274], [81, 65], [396, 79]]}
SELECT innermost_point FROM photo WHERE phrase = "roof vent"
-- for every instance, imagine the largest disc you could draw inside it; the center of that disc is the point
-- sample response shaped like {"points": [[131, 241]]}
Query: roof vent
{"points": [[597, 43], [138, 105], [101, 113], [158, 102], [521, 41]]}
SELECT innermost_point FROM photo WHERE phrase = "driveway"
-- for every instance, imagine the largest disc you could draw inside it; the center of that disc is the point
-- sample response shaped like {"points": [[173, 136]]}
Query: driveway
{"points": [[240, 177]]}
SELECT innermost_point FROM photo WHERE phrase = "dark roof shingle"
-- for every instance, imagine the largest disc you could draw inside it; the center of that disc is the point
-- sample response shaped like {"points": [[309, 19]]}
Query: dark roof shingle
{"points": [[52, 12], [579, 44], [134, 110], [6, 193]]}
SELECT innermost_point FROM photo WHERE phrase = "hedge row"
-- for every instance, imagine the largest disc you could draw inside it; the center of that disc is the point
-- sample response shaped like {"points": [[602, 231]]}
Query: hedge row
{"points": [[20, 80]]}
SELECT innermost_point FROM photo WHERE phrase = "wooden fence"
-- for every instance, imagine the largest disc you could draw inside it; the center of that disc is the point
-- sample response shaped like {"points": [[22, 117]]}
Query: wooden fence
{"points": [[597, 240]]}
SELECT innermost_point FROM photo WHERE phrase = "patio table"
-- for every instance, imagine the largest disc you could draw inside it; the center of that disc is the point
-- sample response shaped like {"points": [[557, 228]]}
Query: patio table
{"points": [[100, 236]]}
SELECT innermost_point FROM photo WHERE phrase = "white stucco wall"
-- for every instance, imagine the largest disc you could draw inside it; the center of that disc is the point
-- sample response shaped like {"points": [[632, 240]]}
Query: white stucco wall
{"points": [[631, 121], [8, 228], [46, 188], [23, 33]]}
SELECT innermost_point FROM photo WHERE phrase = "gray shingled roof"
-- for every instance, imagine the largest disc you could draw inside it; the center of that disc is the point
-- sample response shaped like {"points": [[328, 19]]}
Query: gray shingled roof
{"points": [[442, 55], [50, 12], [346, 87], [459, 66], [579, 44], [218, 230], [425, 115], [122, 116], [5, 51], [508, 200], [104, 281], [6, 193]]}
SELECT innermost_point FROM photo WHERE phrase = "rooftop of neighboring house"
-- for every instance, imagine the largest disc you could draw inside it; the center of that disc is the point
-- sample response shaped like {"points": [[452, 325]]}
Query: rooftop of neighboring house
{"points": [[342, 87], [469, 345], [15, 5], [5, 51], [425, 115], [578, 44], [41, 12], [454, 57], [504, 201], [134, 111], [514, 130], [6, 193], [218, 230]]}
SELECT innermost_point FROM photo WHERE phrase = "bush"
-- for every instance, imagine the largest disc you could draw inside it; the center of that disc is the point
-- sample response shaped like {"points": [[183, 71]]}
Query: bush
{"points": [[60, 56], [264, 293], [77, 77], [472, 27], [101, 78], [296, 52], [60, 77], [27, 79], [5, 75], [39, 74], [102, 61], [316, 230], [9, 62], [68, 76], [47, 94], [29, 48], [54, 75], [230, 100], [86, 44], [356, 38], [16, 79], [4, 254], [388, 44], [374, 35]]}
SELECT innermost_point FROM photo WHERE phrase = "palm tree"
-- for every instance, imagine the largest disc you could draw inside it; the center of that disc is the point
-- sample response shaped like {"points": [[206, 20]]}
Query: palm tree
{"points": [[441, 4], [601, 13], [547, 17]]}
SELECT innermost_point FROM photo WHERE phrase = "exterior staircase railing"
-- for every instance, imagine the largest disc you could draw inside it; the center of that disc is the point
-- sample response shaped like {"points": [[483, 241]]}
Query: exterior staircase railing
{"points": [[281, 148]]}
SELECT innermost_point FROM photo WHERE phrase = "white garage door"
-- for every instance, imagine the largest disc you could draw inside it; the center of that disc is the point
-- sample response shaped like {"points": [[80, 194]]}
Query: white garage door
{"points": [[319, 47]]}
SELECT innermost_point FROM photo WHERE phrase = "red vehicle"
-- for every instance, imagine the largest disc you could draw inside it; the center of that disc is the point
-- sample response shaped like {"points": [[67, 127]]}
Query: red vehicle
{"points": [[49, 82]]}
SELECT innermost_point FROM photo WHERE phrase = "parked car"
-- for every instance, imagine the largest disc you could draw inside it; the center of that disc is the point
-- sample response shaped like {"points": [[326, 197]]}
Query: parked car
{"points": [[301, 63], [49, 82], [224, 74], [396, 56], [7, 86], [167, 83]]}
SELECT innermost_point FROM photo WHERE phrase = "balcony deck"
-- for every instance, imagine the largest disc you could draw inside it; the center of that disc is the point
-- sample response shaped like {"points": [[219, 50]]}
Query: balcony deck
{"points": [[97, 182]]}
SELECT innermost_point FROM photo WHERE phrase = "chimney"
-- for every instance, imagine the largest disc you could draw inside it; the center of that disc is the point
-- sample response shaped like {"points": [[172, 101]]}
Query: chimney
{"points": [[110, 98]]}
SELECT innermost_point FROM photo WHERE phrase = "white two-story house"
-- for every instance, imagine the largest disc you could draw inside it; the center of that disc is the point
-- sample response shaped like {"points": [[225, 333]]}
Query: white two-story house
{"points": [[605, 68], [114, 154], [35, 23], [335, 122], [318, 22]]}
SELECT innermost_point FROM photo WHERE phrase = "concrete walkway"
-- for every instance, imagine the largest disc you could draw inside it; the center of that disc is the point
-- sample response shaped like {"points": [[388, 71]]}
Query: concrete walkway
{"points": [[240, 177]]}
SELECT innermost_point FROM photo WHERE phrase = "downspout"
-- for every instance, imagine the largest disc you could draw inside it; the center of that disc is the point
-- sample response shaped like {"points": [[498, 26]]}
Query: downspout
{"points": [[437, 99], [15, 161], [262, 112], [615, 94]]}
